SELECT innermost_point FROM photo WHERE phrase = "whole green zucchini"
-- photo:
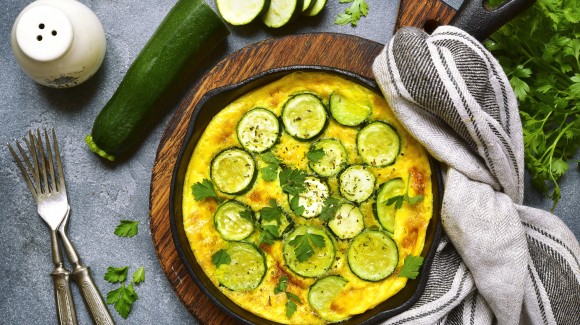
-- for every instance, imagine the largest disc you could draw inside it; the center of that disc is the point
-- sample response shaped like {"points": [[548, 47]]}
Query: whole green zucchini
{"points": [[189, 32]]}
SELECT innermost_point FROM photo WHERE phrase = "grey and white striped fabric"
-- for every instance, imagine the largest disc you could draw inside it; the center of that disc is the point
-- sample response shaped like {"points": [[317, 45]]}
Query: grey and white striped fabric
{"points": [[500, 262]]}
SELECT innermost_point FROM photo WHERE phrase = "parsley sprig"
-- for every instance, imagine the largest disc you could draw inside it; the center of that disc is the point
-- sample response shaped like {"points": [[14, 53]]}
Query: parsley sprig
{"points": [[127, 228], [303, 245], [124, 296], [540, 52], [400, 199], [203, 190], [352, 14], [292, 299], [411, 267], [270, 172]]}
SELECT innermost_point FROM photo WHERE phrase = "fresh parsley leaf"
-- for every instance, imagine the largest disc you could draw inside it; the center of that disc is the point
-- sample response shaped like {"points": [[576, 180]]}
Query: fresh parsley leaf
{"points": [[139, 275], [295, 205], [127, 228], [116, 274], [221, 257], [303, 245], [268, 235], [400, 199], [246, 214], [293, 297], [411, 267], [292, 181], [282, 284], [125, 302], [123, 299], [315, 155], [290, 308], [203, 190], [352, 14], [271, 213], [329, 209], [270, 172]]}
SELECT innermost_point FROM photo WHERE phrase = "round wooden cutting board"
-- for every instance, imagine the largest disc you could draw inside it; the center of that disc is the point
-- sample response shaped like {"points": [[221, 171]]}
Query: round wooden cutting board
{"points": [[356, 56]]}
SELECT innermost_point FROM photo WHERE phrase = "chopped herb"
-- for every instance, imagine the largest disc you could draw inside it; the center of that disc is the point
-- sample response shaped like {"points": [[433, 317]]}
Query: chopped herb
{"points": [[290, 308], [303, 245], [352, 14], [331, 205], [246, 214], [411, 267], [269, 234], [315, 155], [399, 199], [139, 275], [292, 299], [271, 213], [270, 172], [282, 284], [123, 298], [292, 181], [116, 274], [221, 257], [127, 228], [203, 190], [295, 205]]}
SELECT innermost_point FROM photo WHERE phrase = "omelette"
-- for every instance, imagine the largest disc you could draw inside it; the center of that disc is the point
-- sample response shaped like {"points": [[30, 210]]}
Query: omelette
{"points": [[303, 198]]}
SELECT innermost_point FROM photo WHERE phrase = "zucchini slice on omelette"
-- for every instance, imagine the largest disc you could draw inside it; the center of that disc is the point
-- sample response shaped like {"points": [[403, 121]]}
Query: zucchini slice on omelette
{"points": [[303, 198]]}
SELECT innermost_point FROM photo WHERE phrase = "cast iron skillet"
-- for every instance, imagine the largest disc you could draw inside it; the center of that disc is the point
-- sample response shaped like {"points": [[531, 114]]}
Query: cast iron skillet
{"points": [[473, 17], [210, 104]]}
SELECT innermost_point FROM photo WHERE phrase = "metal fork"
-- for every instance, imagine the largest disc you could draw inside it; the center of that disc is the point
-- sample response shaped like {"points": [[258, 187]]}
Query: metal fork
{"points": [[48, 189]]}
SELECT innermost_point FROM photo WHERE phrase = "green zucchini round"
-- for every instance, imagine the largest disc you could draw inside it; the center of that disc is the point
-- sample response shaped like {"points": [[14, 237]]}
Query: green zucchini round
{"points": [[189, 32]]}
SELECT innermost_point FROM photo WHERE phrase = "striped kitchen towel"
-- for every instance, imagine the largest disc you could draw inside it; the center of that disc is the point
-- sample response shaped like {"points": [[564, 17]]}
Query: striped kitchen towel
{"points": [[499, 261]]}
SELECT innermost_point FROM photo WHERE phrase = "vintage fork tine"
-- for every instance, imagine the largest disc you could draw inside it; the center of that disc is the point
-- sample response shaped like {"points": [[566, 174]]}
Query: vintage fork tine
{"points": [[22, 169], [42, 161], [50, 162], [31, 146], [61, 185], [33, 163]]}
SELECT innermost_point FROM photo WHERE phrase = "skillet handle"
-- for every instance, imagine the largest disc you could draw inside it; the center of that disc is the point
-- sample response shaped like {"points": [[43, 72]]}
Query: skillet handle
{"points": [[479, 21]]}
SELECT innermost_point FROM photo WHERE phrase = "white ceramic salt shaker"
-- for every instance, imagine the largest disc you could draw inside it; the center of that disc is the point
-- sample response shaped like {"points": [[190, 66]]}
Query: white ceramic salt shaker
{"points": [[58, 43]]}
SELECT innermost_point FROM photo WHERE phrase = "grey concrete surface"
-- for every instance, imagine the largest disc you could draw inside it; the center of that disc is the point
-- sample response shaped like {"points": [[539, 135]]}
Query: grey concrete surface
{"points": [[102, 194]]}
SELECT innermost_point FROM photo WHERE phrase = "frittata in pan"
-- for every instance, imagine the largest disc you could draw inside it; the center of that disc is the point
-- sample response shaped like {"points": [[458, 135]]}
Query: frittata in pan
{"points": [[304, 199]]}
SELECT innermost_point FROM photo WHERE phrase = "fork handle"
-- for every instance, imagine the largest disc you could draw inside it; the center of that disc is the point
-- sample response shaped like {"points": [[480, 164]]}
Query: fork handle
{"points": [[93, 299], [65, 308]]}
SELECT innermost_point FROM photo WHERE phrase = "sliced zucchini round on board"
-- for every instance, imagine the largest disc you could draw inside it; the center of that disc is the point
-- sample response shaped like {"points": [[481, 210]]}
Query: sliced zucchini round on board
{"points": [[233, 220], [304, 116], [347, 222], [372, 255], [384, 213], [245, 270], [356, 183], [280, 12], [322, 257], [348, 112], [258, 130], [316, 8], [323, 292], [378, 144], [334, 159], [238, 12], [233, 171], [312, 199]]}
